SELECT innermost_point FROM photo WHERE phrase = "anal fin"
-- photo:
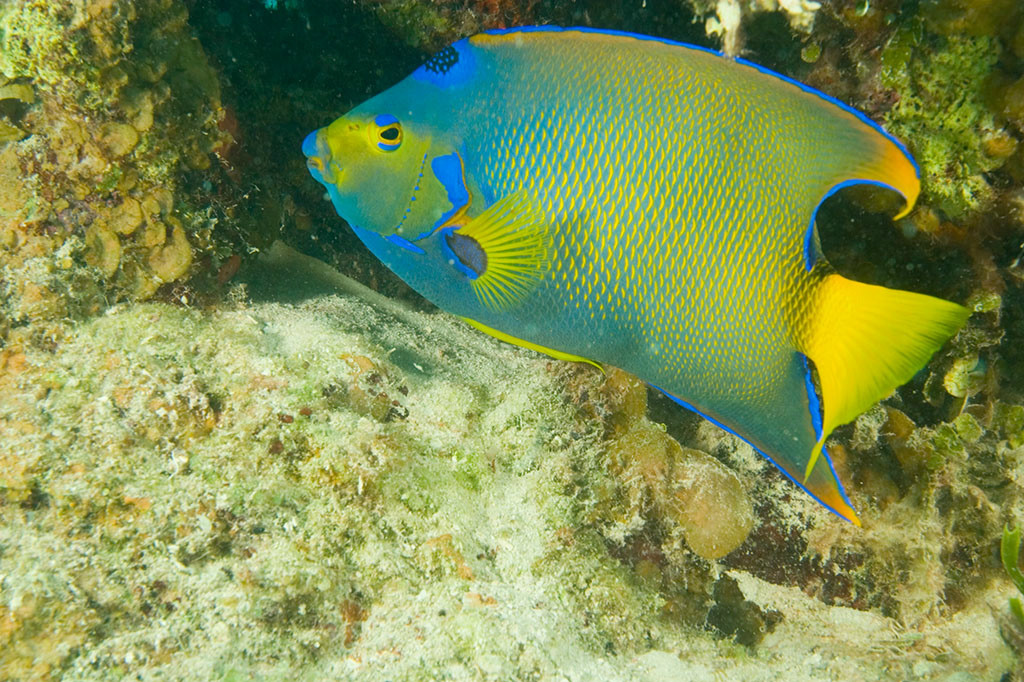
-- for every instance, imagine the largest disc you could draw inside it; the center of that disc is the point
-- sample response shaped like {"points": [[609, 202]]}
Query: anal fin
{"points": [[783, 426]]}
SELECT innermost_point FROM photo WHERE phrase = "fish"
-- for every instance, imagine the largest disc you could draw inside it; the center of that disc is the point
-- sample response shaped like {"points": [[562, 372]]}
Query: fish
{"points": [[625, 200]]}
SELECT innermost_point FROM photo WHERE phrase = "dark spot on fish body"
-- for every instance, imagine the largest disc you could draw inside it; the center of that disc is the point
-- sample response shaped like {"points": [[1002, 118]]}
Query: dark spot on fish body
{"points": [[442, 62], [469, 253]]}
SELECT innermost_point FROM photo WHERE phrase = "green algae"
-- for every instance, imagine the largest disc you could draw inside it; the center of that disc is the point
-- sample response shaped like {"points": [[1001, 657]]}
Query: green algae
{"points": [[185, 494], [336, 489], [944, 115], [39, 29], [1009, 553], [1010, 420]]}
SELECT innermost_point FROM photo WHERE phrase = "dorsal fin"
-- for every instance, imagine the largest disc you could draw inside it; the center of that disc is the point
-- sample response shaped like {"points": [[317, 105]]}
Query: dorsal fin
{"points": [[858, 150]]}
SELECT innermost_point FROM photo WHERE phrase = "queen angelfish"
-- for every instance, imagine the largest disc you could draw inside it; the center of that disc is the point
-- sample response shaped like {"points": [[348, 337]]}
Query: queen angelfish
{"points": [[620, 199]]}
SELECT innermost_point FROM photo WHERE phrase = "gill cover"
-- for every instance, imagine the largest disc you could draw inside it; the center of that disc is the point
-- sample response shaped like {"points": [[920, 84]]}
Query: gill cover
{"points": [[377, 171]]}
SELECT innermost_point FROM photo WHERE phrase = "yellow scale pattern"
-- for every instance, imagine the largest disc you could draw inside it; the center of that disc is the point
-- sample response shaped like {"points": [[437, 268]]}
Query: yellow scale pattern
{"points": [[647, 205], [649, 243]]}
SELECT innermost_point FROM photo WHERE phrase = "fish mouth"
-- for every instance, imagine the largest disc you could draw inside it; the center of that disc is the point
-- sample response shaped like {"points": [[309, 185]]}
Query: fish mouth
{"points": [[318, 157]]}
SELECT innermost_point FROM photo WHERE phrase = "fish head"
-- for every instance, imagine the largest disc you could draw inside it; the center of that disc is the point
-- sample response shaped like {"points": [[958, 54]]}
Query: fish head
{"points": [[376, 168]]}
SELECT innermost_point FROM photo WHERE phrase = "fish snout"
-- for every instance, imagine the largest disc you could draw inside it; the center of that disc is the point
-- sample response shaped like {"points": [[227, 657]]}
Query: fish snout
{"points": [[309, 146], [318, 157]]}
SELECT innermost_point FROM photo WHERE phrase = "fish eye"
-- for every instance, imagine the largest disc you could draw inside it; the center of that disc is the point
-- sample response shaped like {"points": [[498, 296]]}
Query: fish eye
{"points": [[389, 138], [389, 132]]}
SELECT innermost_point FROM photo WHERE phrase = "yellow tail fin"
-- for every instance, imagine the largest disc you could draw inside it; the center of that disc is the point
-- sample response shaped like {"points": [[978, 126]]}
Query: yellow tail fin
{"points": [[866, 340]]}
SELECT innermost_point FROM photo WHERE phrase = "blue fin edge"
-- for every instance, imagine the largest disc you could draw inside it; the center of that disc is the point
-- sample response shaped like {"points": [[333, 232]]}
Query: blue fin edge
{"points": [[739, 60], [815, 418], [810, 257], [405, 244], [814, 405]]}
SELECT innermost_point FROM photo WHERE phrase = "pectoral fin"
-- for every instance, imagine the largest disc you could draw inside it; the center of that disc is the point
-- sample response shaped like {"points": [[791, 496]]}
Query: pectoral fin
{"points": [[503, 252]]}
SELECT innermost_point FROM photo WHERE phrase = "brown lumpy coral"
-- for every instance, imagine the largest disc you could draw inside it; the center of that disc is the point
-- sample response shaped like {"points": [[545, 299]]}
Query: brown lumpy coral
{"points": [[335, 491], [106, 105], [682, 489]]}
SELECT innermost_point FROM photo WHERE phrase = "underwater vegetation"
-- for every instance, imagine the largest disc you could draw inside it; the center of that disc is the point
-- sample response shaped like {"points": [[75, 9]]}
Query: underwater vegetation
{"points": [[1009, 552], [108, 107], [223, 460]]}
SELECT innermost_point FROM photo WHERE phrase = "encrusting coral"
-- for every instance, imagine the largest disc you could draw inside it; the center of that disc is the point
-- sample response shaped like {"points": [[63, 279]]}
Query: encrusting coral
{"points": [[942, 111], [686, 489], [215, 494], [106, 106], [345, 489]]}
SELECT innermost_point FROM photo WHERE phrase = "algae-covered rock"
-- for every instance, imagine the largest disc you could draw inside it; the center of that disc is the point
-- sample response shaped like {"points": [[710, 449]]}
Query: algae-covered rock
{"points": [[202, 494], [943, 114], [684, 488], [102, 105]]}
